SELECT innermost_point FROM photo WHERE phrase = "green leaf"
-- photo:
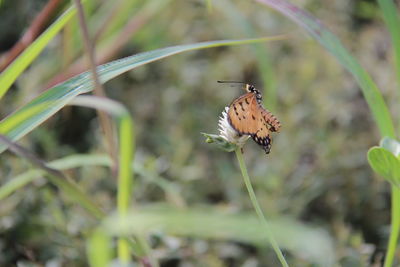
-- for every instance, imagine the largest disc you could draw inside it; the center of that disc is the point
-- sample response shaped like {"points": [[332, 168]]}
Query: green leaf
{"points": [[304, 241], [328, 40], [384, 163], [220, 142], [45, 105]]}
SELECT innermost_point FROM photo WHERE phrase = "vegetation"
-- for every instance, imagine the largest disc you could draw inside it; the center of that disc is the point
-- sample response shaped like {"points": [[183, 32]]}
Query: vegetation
{"points": [[140, 185]]}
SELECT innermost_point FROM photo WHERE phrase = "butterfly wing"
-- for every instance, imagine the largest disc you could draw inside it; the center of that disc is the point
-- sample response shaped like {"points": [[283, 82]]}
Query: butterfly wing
{"points": [[247, 116], [241, 114], [262, 136], [273, 123]]}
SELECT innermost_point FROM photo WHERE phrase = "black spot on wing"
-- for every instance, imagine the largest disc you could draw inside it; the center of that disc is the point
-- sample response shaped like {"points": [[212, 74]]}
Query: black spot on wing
{"points": [[265, 142], [241, 105]]}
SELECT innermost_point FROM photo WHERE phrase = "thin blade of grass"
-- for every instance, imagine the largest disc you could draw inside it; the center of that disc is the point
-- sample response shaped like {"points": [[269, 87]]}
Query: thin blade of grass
{"points": [[126, 144], [19, 182], [392, 21], [16, 125], [9, 75], [81, 160], [306, 242], [126, 151], [328, 40], [68, 162], [99, 250], [56, 177]]}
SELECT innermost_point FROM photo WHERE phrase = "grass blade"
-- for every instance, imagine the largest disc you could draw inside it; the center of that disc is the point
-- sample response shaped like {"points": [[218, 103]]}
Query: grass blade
{"points": [[9, 75], [68, 162], [216, 224], [126, 151], [19, 182], [99, 250], [327, 39], [392, 20], [24, 120], [56, 177]]}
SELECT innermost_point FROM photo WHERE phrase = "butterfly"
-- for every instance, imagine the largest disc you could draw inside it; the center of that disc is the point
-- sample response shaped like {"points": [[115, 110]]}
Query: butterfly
{"points": [[248, 117]]}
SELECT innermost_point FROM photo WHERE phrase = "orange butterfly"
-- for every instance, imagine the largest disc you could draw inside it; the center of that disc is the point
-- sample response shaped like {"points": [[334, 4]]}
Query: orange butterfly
{"points": [[247, 116]]}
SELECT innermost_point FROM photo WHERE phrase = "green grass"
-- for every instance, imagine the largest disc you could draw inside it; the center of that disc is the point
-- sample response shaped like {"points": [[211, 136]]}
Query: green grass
{"points": [[176, 197], [25, 119], [392, 20], [9, 75]]}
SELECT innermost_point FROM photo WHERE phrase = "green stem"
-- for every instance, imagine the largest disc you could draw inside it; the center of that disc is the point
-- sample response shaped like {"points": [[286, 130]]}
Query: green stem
{"points": [[395, 227], [125, 179], [125, 172], [257, 208]]}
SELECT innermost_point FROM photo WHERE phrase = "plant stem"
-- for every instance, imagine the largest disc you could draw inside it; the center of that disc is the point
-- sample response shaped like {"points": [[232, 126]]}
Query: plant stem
{"points": [[98, 90], [126, 150], [125, 179], [257, 208], [395, 227]]}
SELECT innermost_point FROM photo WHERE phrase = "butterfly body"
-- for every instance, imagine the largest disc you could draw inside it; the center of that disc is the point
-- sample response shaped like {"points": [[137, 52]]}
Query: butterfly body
{"points": [[248, 117]]}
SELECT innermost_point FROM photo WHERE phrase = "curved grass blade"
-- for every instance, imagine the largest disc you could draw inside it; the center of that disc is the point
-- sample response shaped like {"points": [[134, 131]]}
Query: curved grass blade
{"points": [[392, 20], [9, 75], [68, 162], [80, 160], [215, 224], [22, 122], [19, 182], [327, 39], [56, 177]]}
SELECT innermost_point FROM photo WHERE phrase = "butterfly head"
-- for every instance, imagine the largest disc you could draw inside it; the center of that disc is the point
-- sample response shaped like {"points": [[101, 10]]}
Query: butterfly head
{"points": [[252, 89]]}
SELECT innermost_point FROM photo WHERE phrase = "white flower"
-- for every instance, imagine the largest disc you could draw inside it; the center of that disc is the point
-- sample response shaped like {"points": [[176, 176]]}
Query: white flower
{"points": [[227, 132]]}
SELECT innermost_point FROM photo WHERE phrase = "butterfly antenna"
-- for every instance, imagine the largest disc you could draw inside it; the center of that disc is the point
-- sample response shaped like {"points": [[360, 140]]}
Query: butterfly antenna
{"points": [[231, 82], [246, 85]]}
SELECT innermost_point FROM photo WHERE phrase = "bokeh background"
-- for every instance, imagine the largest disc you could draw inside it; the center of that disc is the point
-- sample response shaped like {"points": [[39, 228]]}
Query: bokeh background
{"points": [[317, 172]]}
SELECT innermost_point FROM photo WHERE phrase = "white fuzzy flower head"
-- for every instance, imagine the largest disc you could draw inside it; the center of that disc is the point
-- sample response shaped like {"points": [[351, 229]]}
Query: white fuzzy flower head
{"points": [[227, 132]]}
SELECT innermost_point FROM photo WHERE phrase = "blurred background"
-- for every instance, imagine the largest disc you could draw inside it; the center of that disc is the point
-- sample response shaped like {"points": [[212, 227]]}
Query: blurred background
{"points": [[317, 172]]}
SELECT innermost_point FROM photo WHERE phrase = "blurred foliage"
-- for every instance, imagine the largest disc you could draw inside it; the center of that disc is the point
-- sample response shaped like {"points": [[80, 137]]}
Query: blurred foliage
{"points": [[317, 171]]}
